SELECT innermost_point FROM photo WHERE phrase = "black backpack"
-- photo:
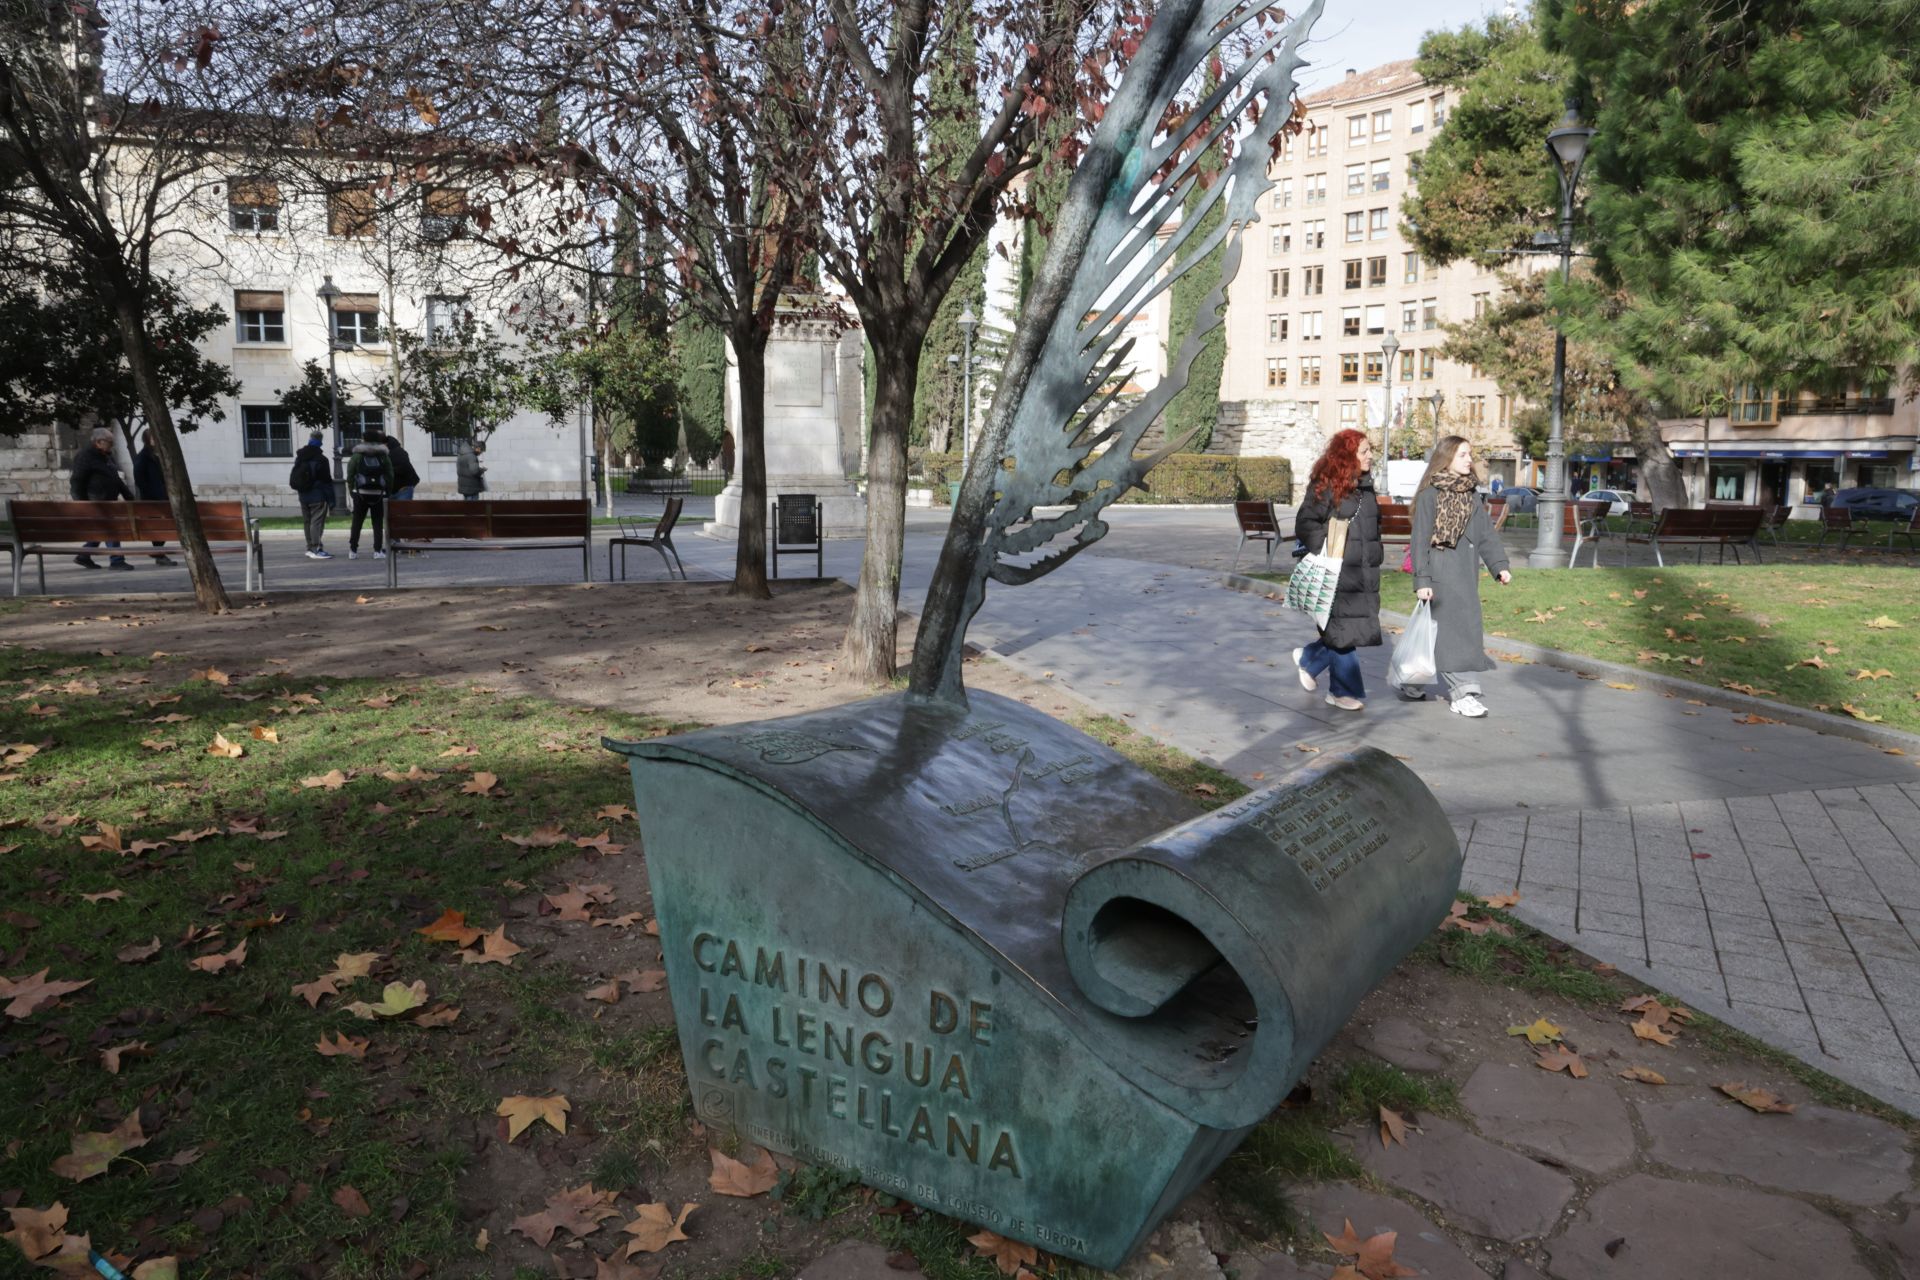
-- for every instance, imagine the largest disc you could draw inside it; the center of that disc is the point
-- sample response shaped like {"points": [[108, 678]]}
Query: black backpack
{"points": [[369, 472], [302, 477]]}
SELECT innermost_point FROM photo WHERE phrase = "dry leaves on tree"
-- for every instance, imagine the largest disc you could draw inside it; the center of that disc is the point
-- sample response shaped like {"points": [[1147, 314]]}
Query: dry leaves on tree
{"points": [[754, 1176], [656, 1227], [1008, 1255], [93, 1152], [1372, 1257], [579, 1211], [521, 1111]]}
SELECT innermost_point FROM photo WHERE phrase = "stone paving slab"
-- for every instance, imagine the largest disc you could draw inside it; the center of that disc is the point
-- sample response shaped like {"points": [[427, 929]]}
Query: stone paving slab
{"points": [[1552, 1116], [855, 1260], [1817, 1150], [1484, 1188]]}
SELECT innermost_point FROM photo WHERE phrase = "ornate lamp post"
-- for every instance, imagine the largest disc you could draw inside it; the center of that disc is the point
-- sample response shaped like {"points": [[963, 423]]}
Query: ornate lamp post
{"points": [[1567, 145], [330, 294], [968, 323], [1389, 348]]}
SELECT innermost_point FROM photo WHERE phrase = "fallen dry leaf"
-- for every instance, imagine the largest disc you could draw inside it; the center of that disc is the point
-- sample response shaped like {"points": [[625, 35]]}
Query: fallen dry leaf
{"points": [[1372, 1257], [263, 733], [1879, 674], [614, 812], [1644, 1075], [1539, 1031], [479, 784], [444, 1016], [397, 998], [38, 1232], [539, 838], [342, 1046], [28, 995], [521, 1111], [1561, 1058], [1008, 1255], [605, 993], [495, 948], [1762, 1100], [134, 953], [111, 895], [577, 1210], [571, 905], [1881, 623], [351, 1202], [221, 961], [93, 1152], [1501, 901], [356, 964], [331, 780], [1393, 1127], [657, 1227], [110, 1058], [212, 675], [1647, 1031], [451, 927], [644, 979], [224, 749], [754, 1176], [1865, 717]]}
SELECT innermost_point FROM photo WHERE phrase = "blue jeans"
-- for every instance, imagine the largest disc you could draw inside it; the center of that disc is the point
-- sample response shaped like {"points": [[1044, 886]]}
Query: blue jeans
{"points": [[401, 495], [1347, 681], [110, 559]]}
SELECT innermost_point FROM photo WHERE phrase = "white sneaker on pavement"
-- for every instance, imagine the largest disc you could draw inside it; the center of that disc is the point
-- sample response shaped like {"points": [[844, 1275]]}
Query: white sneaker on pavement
{"points": [[323, 554], [1307, 682], [353, 555], [379, 555], [1345, 704], [1468, 705], [316, 555]]}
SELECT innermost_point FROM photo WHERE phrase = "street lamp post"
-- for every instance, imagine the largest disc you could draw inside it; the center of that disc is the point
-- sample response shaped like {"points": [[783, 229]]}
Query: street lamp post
{"points": [[1567, 145], [968, 323], [1434, 402], [1389, 348], [330, 294]]}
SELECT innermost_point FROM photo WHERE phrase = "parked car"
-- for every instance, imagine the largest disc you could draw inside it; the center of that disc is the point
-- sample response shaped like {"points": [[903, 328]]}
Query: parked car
{"points": [[1878, 504], [1519, 498], [1618, 499]]}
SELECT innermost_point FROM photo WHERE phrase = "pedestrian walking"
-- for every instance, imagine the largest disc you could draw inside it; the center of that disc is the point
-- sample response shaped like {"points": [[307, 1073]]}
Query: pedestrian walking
{"points": [[370, 480], [312, 479], [1452, 538], [469, 476], [1340, 495], [93, 477], [150, 482]]}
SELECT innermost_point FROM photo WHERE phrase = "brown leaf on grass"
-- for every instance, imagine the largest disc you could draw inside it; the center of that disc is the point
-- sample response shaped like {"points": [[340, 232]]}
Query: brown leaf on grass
{"points": [[1561, 1058], [614, 812], [754, 1176], [331, 780], [351, 1202], [539, 838], [602, 844], [224, 749], [27, 996], [396, 999], [135, 952], [195, 837], [480, 784], [111, 895], [1457, 919], [414, 773], [626, 921], [605, 993], [1865, 717], [1747, 689], [1880, 674], [158, 744], [1502, 901], [644, 979], [656, 1227], [577, 1210], [1761, 1100], [221, 961], [1008, 1255], [38, 1232], [263, 733], [342, 1046], [158, 1269], [212, 675], [380, 703], [1881, 623], [571, 905], [1647, 1031], [495, 948], [110, 1058], [1393, 1128], [451, 752], [521, 1111], [443, 1016], [1644, 1075], [108, 841], [93, 1152], [172, 717], [354, 964], [451, 927]]}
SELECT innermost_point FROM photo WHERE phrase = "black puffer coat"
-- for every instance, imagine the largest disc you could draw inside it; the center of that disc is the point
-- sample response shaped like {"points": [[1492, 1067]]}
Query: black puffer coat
{"points": [[1354, 620]]}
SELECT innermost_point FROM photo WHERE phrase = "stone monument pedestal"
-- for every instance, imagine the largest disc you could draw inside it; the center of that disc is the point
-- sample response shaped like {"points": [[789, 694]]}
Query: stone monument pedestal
{"points": [[812, 445]]}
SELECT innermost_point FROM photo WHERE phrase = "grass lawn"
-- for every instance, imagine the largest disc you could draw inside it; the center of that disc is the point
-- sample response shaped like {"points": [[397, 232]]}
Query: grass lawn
{"points": [[1839, 638], [129, 854]]}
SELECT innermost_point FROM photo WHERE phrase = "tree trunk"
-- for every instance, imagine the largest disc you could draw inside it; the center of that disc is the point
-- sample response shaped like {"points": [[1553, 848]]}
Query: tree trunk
{"points": [[873, 633], [750, 556], [1658, 471], [208, 591]]}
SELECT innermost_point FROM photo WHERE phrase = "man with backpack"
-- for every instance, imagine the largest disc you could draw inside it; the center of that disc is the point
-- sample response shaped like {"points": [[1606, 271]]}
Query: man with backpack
{"points": [[312, 479], [370, 480]]}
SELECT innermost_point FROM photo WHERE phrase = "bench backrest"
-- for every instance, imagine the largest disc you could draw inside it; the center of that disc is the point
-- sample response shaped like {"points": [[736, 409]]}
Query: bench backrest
{"points": [[63, 522], [506, 518], [1257, 516], [1710, 522], [1396, 519], [1836, 517], [1778, 514], [669, 518]]}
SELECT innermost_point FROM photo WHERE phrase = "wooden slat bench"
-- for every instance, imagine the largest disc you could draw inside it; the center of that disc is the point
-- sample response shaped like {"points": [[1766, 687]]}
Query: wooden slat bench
{"points": [[1396, 521], [1836, 520], [539, 524], [1259, 522], [64, 528], [1723, 527]]}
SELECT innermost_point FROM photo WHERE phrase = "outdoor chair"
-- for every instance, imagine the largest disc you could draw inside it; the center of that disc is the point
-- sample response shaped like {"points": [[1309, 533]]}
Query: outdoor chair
{"points": [[659, 536], [1836, 520], [1259, 522]]}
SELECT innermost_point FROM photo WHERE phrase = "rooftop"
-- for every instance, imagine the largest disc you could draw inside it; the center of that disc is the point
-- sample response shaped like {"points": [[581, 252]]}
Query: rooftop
{"points": [[1389, 77]]}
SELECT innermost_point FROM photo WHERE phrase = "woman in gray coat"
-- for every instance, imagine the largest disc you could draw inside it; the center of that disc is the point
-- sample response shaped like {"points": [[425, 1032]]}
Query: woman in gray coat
{"points": [[1452, 537]]}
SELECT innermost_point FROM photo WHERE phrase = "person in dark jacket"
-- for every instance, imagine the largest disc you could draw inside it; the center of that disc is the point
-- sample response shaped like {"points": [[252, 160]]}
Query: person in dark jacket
{"points": [[312, 479], [404, 476], [1341, 488], [370, 480], [1452, 537], [94, 478], [469, 473], [150, 482]]}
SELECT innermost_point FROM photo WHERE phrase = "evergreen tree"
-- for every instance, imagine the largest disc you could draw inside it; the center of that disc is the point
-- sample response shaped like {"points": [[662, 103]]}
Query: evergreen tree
{"points": [[700, 360], [643, 404], [1196, 408]]}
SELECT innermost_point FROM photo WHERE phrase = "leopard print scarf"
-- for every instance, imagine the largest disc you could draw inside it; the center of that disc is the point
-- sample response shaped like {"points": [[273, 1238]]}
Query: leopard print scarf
{"points": [[1453, 508]]}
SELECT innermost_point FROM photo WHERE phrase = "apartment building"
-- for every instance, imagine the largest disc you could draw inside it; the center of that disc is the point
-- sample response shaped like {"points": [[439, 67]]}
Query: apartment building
{"points": [[1773, 446], [1328, 273]]}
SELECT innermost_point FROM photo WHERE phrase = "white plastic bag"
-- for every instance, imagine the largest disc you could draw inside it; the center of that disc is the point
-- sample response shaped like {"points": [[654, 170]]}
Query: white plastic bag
{"points": [[1412, 664]]}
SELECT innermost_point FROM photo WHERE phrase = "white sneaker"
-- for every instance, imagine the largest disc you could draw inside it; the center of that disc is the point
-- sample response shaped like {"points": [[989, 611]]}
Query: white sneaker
{"points": [[1345, 704], [1468, 705], [317, 555], [379, 555], [1307, 682], [353, 555]]}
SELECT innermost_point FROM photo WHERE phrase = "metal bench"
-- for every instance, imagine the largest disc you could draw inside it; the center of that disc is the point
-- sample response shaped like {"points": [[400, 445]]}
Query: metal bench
{"points": [[1776, 516], [659, 536], [1259, 522], [1912, 527], [1722, 526], [63, 528], [1836, 520], [542, 524], [798, 530]]}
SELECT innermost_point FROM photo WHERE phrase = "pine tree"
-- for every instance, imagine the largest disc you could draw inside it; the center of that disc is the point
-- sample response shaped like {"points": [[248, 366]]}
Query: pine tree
{"points": [[700, 357], [645, 412], [1196, 408]]}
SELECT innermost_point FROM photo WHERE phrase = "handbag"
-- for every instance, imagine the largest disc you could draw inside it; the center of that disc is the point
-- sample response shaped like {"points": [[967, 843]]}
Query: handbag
{"points": [[1413, 664], [1317, 576]]}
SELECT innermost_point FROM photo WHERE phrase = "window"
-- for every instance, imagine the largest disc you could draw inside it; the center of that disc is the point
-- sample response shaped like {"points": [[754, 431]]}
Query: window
{"points": [[355, 419], [1356, 179], [1349, 413], [1350, 367], [1284, 198], [1406, 366], [1314, 186], [1315, 235], [266, 431], [1277, 284], [1286, 146], [1383, 124], [1753, 405], [1309, 371], [1313, 281], [1481, 301], [356, 319], [1355, 231], [1409, 316], [1426, 364], [443, 214], [1476, 410], [1276, 328], [1356, 129], [1352, 268], [1439, 109], [253, 204], [1376, 273], [1382, 174], [260, 316], [1310, 326], [1376, 363], [350, 212], [1416, 117], [1282, 239], [1411, 268], [1318, 140], [1349, 322], [1379, 223], [1506, 411], [1276, 371], [444, 316], [1430, 313], [1377, 318]]}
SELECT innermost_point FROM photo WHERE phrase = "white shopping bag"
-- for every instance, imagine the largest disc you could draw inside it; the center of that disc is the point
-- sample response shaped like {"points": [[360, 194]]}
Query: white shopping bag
{"points": [[1412, 663]]}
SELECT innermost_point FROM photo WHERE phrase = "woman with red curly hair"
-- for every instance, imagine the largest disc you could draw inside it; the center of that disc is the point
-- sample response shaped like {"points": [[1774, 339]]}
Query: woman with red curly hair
{"points": [[1341, 488]]}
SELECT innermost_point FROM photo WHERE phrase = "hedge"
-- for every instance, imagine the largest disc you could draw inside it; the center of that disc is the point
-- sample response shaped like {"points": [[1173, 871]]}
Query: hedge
{"points": [[1181, 478]]}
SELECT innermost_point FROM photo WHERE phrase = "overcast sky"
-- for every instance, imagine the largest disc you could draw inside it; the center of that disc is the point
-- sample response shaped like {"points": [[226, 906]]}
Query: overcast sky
{"points": [[1365, 33]]}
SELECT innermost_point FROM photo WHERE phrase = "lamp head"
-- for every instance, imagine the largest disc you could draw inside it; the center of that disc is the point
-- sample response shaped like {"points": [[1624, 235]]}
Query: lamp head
{"points": [[1390, 346], [1568, 140], [329, 291], [968, 321]]}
